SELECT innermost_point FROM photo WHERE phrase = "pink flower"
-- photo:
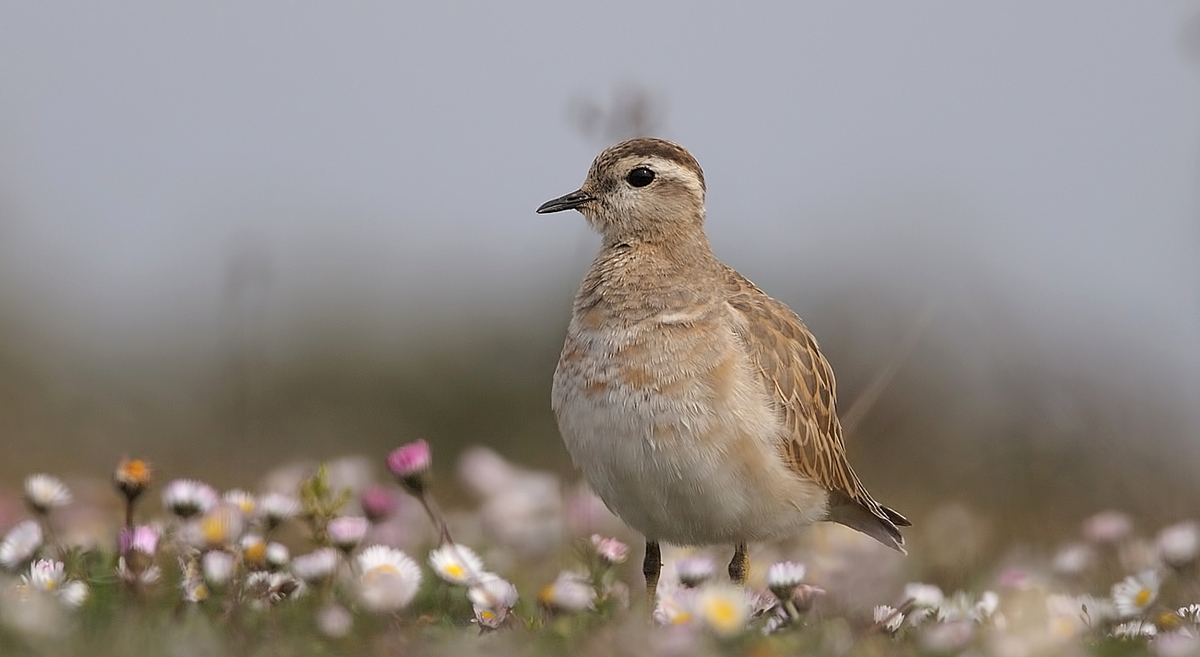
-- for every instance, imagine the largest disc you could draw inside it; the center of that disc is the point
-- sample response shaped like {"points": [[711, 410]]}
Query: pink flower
{"points": [[410, 463], [141, 539], [346, 532], [610, 550], [377, 503]]}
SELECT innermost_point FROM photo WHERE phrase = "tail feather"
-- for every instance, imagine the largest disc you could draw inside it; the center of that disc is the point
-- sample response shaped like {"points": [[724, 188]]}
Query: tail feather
{"points": [[856, 516]]}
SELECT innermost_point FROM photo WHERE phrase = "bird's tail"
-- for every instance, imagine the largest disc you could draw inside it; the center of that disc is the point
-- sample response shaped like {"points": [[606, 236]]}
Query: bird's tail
{"points": [[880, 522]]}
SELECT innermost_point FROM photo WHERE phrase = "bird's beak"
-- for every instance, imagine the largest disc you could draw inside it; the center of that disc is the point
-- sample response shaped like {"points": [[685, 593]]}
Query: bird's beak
{"points": [[568, 202]]}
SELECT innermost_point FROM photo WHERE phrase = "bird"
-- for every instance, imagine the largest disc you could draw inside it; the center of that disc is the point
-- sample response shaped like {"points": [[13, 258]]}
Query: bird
{"points": [[699, 409]]}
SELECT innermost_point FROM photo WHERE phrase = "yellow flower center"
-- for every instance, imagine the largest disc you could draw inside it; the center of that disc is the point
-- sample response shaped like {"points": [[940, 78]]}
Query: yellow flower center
{"points": [[455, 570], [213, 529], [723, 616], [256, 552], [382, 570], [1143, 597], [487, 615]]}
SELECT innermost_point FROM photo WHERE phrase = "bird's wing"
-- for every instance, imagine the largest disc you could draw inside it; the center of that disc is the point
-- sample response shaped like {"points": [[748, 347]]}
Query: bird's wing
{"points": [[800, 382]]}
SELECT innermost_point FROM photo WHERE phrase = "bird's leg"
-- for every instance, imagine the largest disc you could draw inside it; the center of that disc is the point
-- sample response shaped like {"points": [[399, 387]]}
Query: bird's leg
{"points": [[651, 566], [739, 565]]}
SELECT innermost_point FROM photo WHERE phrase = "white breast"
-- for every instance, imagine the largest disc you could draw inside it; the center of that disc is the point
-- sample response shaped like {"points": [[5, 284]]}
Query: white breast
{"points": [[674, 432]]}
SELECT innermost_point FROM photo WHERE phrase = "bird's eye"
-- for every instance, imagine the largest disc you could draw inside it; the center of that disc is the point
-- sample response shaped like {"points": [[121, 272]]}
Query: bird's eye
{"points": [[640, 177]]}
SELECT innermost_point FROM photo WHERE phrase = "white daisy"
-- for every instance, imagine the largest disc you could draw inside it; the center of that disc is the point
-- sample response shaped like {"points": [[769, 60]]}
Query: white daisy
{"points": [[783, 578], [146, 576], [457, 564], [388, 579], [346, 532], [924, 596], [187, 498], [48, 576], [1135, 593], [492, 598], [269, 588], [218, 566], [334, 621], [888, 617], [316, 565], [277, 507], [1135, 630], [276, 555], [675, 605], [1178, 544], [724, 609], [245, 502], [73, 593], [1074, 559], [569, 592], [221, 527], [44, 492], [694, 570], [1190, 613], [44, 575], [20, 544]]}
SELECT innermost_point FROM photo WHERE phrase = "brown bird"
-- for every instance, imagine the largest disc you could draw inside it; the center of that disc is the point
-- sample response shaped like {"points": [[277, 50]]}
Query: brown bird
{"points": [[698, 408]]}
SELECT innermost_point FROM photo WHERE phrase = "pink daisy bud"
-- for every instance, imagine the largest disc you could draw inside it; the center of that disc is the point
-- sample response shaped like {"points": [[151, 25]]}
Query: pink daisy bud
{"points": [[410, 463], [377, 503]]}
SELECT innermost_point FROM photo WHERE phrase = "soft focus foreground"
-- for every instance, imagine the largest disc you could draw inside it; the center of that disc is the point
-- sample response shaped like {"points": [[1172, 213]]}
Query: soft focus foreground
{"points": [[329, 559]]}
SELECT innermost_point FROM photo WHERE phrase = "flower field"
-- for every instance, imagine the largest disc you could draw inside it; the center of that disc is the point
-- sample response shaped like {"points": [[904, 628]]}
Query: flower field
{"points": [[332, 560]]}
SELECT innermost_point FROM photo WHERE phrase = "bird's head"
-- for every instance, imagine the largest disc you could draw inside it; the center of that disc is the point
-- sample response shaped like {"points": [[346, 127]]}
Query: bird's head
{"points": [[642, 189]]}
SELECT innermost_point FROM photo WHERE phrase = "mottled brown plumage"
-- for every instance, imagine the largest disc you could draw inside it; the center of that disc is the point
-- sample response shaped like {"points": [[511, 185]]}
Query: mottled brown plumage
{"points": [[700, 409]]}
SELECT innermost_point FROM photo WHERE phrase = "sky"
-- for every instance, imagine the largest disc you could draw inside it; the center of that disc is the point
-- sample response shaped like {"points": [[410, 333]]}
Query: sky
{"points": [[389, 155]]}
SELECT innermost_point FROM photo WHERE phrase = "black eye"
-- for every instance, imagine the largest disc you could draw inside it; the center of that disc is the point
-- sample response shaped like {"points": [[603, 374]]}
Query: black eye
{"points": [[640, 177]]}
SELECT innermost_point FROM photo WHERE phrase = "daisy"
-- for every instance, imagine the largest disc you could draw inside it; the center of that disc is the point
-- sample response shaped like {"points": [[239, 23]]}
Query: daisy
{"points": [[144, 576], [254, 551], [142, 539], [457, 564], [219, 528], [346, 532], [610, 550], [1135, 593], [570, 592], [388, 579], [492, 598], [187, 498], [1178, 544], [269, 588], [1107, 527], [783, 578], [724, 609], [334, 621], [276, 555], [277, 507], [218, 566], [1190, 613], [316, 565], [674, 605], [20, 544], [694, 571], [245, 502], [924, 596], [889, 618], [47, 576], [131, 477], [410, 464], [1135, 630], [44, 492]]}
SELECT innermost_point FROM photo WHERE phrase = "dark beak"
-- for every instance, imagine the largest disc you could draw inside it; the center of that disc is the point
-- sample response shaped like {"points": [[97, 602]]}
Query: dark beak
{"points": [[568, 202]]}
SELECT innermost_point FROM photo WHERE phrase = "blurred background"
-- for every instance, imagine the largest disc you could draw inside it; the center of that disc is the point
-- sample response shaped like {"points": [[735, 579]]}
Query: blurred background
{"points": [[234, 235]]}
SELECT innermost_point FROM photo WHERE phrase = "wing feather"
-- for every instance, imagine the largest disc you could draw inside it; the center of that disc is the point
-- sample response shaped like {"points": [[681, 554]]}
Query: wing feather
{"points": [[800, 381]]}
